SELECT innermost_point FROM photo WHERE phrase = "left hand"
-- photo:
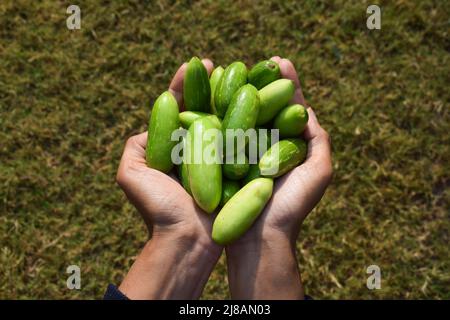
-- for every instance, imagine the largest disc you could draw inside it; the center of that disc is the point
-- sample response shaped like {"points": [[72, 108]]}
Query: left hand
{"points": [[266, 252]]}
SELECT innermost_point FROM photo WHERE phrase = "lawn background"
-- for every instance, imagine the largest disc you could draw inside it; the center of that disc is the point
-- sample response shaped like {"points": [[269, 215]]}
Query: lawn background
{"points": [[69, 100]]}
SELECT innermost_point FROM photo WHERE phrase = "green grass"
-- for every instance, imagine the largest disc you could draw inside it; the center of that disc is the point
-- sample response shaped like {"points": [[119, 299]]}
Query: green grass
{"points": [[69, 100]]}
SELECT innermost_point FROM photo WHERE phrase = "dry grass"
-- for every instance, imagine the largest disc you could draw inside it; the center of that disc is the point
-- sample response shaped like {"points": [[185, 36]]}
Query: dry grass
{"points": [[69, 99]]}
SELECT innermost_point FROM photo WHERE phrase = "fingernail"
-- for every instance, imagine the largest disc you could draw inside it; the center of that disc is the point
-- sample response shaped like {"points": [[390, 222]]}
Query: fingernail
{"points": [[275, 58]]}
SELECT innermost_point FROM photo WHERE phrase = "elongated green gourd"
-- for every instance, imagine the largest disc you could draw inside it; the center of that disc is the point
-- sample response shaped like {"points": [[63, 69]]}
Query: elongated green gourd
{"points": [[196, 87], [229, 188], [184, 177], [239, 213], [241, 114], [234, 77], [188, 117], [282, 157], [183, 169], [291, 121], [257, 147], [163, 121], [205, 173], [236, 168], [213, 81], [263, 73], [273, 98], [252, 174]]}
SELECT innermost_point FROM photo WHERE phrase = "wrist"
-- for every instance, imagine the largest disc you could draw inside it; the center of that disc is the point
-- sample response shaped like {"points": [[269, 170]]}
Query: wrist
{"points": [[182, 240], [260, 247], [264, 269], [171, 266], [264, 235]]}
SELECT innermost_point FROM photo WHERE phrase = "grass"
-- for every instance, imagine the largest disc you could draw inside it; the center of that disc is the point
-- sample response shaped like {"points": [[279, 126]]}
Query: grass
{"points": [[69, 99]]}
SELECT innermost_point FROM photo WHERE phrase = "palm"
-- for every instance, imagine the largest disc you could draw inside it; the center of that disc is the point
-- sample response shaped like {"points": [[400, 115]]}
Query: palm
{"points": [[294, 196], [288, 199], [164, 198], [161, 200], [296, 193]]}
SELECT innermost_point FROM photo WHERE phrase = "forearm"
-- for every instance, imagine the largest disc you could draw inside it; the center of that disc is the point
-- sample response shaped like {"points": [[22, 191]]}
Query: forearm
{"points": [[169, 268], [265, 269]]}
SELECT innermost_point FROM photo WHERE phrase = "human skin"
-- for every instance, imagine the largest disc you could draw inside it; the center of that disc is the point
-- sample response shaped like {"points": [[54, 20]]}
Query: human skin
{"points": [[262, 264], [177, 261]]}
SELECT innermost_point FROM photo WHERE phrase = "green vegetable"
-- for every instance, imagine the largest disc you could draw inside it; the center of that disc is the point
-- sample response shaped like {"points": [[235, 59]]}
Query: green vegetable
{"points": [[264, 73], [184, 177], [163, 121], [239, 213], [257, 147], [291, 121], [213, 81], [229, 188], [196, 88], [282, 157], [205, 174], [253, 173], [234, 77], [241, 114], [273, 98], [235, 170], [183, 169], [188, 117], [215, 120]]}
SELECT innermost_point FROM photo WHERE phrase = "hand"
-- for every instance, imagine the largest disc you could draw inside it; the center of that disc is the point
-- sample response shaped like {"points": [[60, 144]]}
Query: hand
{"points": [[161, 200], [266, 253], [178, 259], [298, 192]]}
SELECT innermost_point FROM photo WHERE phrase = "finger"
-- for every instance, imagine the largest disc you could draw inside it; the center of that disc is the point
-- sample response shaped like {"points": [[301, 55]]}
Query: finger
{"points": [[135, 147], [277, 59], [209, 65], [176, 85], [141, 139], [288, 71], [313, 127], [133, 157], [319, 146]]}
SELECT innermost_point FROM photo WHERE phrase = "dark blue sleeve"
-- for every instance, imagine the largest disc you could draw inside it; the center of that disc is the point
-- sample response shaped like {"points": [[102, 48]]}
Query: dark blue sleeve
{"points": [[112, 293]]}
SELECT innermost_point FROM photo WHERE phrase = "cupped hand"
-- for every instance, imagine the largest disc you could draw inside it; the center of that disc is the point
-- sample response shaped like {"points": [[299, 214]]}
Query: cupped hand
{"points": [[262, 264], [163, 203], [298, 192], [177, 261]]}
